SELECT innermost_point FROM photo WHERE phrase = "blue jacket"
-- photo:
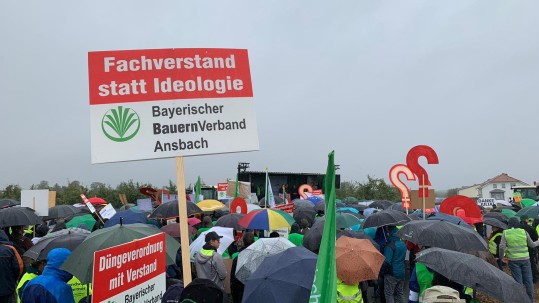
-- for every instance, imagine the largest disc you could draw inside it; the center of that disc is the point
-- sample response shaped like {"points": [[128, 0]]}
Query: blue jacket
{"points": [[10, 268], [51, 286], [395, 253]]}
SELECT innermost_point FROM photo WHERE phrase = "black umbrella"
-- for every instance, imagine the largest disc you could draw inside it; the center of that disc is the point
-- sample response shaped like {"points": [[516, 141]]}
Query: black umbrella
{"points": [[385, 218], [304, 213], [230, 220], [473, 272], [381, 204], [18, 216], [62, 211], [61, 239], [398, 207], [496, 215], [495, 222], [278, 200], [320, 206], [170, 210], [340, 204], [442, 234], [126, 207], [8, 203], [313, 237]]}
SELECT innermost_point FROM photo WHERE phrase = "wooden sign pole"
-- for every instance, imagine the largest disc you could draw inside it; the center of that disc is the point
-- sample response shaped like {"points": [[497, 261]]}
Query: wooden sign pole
{"points": [[424, 207], [184, 236]]}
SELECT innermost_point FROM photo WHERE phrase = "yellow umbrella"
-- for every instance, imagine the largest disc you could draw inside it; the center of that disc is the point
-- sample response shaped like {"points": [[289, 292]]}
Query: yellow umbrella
{"points": [[210, 205]]}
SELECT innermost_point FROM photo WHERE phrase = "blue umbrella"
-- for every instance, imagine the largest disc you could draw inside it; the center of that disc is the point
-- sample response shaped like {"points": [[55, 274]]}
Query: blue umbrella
{"points": [[348, 209], [128, 217], [284, 277], [448, 218], [315, 199]]}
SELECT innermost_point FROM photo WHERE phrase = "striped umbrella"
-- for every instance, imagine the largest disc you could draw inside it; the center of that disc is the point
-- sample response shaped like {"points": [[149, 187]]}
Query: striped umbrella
{"points": [[266, 219]]}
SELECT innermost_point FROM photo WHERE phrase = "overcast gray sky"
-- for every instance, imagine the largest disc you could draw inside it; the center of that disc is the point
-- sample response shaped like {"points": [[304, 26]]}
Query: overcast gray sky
{"points": [[369, 79]]}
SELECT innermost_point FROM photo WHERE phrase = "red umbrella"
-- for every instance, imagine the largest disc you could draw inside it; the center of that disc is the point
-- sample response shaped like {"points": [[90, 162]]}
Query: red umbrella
{"points": [[97, 201], [463, 207], [173, 230]]}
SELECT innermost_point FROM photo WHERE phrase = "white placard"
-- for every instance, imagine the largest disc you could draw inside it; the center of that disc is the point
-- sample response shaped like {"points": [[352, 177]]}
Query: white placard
{"points": [[36, 199], [145, 204], [107, 212], [486, 202]]}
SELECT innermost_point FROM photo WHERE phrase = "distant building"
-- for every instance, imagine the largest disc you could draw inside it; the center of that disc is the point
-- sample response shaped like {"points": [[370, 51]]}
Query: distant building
{"points": [[499, 187], [470, 191]]}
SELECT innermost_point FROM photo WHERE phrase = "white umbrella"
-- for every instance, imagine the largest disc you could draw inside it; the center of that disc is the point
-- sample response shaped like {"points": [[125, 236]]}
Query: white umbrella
{"points": [[227, 239], [502, 202], [251, 207], [251, 257]]}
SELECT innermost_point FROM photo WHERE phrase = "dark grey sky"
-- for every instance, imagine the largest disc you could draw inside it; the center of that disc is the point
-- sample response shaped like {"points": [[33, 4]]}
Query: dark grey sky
{"points": [[369, 79]]}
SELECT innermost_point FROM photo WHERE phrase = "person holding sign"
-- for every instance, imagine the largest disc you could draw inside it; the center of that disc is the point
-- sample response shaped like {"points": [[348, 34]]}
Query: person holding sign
{"points": [[208, 263]]}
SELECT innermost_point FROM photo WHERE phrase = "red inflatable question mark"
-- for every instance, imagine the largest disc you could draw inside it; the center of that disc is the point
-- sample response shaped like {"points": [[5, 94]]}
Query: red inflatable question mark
{"points": [[238, 202], [158, 195], [302, 189], [394, 177], [412, 161]]}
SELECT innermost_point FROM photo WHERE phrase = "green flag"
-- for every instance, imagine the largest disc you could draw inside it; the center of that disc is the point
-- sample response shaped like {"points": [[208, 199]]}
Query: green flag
{"points": [[197, 190], [324, 288], [237, 190]]}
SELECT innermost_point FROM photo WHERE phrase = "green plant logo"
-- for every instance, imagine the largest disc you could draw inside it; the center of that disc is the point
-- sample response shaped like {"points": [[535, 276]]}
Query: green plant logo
{"points": [[120, 124]]}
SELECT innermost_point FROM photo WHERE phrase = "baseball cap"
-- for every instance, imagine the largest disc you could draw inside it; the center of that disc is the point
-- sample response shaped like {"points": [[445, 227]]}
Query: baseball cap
{"points": [[441, 294], [212, 236]]}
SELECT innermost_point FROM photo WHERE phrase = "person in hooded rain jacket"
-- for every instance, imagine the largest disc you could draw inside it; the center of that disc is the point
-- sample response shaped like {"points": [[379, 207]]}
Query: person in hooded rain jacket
{"points": [[395, 253], [51, 286], [208, 263]]}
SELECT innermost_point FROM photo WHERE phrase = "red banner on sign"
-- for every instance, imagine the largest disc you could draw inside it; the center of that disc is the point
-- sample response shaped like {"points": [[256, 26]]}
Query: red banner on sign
{"points": [[222, 186], [167, 74], [288, 208], [121, 269]]}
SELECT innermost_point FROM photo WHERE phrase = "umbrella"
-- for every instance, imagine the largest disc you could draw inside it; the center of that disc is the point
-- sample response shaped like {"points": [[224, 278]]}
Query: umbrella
{"points": [[509, 213], [210, 205], [345, 220], [320, 206], [170, 210], [266, 219], [284, 277], [357, 235], [193, 221], [349, 210], [252, 207], [464, 207], [62, 211], [8, 203], [173, 230], [313, 237], [530, 211], [80, 262], [84, 219], [298, 203], [381, 204], [315, 199], [65, 231], [340, 204], [304, 213], [448, 218], [230, 220], [250, 258], [18, 216], [97, 201], [278, 200], [68, 239], [227, 239], [350, 200], [126, 217], [442, 234], [503, 202], [357, 260], [385, 218], [527, 202], [496, 215], [473, 272], [128, 206], [398, 207], [495, 222]]}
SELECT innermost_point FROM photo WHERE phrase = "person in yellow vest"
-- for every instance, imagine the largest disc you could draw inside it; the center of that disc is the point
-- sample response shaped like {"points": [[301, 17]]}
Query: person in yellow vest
{"points": [[494, 244], [348, 293], [514, 251]]}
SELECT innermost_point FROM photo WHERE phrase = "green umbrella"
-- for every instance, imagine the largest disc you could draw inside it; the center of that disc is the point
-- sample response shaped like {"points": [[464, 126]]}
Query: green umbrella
{"points": [[80, 263], [86, 219], [508, 213], [531, 212], [528, 202]]}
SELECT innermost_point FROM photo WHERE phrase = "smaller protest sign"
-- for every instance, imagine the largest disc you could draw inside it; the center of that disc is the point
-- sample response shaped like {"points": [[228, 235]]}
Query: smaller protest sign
{"points": [[131, 272], [123, 199], [417, 202], [87, 203], [168, 198], [288, 208], [36, 199], [52, 199], [221, 190], [486, 202], [107, 212], [145, 204]]}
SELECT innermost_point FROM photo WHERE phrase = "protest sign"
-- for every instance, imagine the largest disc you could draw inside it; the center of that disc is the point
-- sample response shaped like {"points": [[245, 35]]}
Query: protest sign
{"points": [[486, 202], [145, 204], [168, 198], [244, 189], [131, 272], [36, 199], [107, 212], [417, 201], [288, 208], [52, 199], [158, 103], [221, 190], [123, 199]]}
